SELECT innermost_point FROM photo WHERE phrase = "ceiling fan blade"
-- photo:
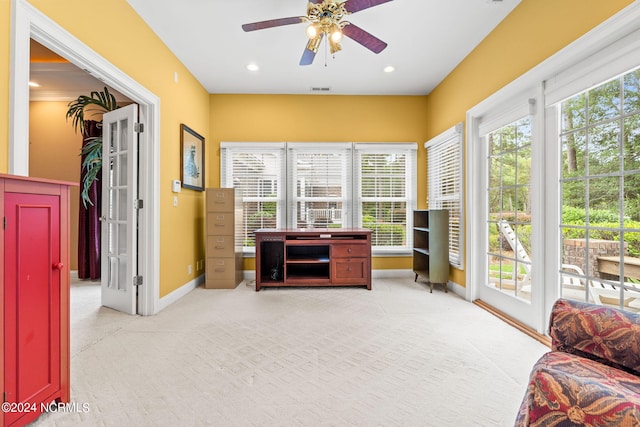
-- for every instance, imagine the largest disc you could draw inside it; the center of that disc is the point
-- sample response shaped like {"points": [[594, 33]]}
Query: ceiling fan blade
{"points": [[355, 5], [307, 57], [272, 23], [366, 39]]}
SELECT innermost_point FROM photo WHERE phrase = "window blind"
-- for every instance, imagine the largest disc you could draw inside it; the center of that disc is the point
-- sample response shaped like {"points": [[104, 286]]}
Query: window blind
{"points": [[319, 190], [386, 195], [256, 170], [444, 174]]}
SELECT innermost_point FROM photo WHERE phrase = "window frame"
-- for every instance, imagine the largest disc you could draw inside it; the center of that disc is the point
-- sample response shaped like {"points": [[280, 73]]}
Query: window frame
{"points": [[451, 139], [410, 151], [352, 202]]}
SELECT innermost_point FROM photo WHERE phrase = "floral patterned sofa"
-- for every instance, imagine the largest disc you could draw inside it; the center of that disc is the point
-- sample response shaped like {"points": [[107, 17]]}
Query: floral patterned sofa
{"points": [[591, 376]]}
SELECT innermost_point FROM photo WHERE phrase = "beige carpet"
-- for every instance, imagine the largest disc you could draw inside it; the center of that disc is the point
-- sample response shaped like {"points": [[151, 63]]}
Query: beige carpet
{"points": [[393, 356]]}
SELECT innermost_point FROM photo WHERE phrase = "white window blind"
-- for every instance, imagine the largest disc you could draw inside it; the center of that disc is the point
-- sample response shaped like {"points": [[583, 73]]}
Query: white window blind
{"points": [[302, 185], [444, 158], [386, 193], [257, 171], [319, 179]]}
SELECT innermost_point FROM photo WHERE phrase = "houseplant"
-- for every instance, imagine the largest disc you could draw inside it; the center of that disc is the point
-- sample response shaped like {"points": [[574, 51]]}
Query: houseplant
{"points": [[98, 103]]}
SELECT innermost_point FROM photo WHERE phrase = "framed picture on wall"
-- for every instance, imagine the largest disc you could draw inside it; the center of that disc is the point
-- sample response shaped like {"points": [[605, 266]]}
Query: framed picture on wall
{"points": [[191, 158]]}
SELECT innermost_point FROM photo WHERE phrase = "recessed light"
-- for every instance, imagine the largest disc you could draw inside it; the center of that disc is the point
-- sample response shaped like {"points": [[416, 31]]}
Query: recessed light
{"points": [[389, 69], [253, 67], [34, 84]]}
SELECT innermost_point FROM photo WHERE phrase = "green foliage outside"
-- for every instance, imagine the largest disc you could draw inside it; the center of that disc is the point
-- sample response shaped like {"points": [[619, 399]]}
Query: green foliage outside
{"points": [[384, 234]]}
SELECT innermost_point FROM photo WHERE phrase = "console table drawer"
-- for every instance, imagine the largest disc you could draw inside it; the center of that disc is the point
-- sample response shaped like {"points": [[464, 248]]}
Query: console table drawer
{"points": [[349, 270], [350, 250]]}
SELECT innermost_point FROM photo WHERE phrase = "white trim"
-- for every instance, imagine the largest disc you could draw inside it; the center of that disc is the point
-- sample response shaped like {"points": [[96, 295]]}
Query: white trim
{"points": [[382, 147], [453, 132], [318, 146], [474, 201], [175, 295], [614, 60], [252, 145], [19, 89], [30, 22]]}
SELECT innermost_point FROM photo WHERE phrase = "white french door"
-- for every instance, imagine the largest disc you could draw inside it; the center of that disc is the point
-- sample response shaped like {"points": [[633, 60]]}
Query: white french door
{"points": [[506, 209], [120, 209]]}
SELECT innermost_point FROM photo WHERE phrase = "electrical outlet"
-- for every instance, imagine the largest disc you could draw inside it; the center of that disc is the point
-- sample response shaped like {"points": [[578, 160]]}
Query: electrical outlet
{"points": [[189, 269]]}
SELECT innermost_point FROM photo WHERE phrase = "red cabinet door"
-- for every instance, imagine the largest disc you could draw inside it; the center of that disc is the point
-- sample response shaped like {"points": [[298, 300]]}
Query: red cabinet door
{"points": [[32, 301]]}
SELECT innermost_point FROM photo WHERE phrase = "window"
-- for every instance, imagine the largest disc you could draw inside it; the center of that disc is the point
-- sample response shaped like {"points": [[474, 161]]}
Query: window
{"points": [[330, 185], [444, 157], [509, 208], [385, 193], [600, 188], [320, 193], [256, 171]]}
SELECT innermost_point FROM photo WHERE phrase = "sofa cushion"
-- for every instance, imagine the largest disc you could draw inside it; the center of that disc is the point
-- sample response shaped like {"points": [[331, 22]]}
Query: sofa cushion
{"points": [[605, 334], [566, 389]]}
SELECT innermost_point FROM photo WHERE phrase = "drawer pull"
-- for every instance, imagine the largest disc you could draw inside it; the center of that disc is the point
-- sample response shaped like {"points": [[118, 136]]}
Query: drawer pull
{"points": [[220, 270], [219, 247], [349, 250]]}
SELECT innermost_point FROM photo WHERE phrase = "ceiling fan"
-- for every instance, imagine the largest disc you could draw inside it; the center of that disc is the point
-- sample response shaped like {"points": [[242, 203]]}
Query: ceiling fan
{"points": [[325, 18]]}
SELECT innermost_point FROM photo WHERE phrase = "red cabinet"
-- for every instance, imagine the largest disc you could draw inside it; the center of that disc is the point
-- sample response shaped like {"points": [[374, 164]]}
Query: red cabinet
{"points": [[34, 256]]}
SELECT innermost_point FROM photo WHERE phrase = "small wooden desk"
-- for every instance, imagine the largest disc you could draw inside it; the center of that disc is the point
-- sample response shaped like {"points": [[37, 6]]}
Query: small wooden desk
{"points": [[611, 265], [313, 257]]}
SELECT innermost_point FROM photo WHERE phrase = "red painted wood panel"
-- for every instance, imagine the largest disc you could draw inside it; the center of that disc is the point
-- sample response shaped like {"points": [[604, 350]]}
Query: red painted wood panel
{"points": [[32, 299]]}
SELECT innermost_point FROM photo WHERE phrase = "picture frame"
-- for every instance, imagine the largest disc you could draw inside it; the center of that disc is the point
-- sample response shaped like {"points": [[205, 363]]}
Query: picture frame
{"points": [[191, 158]]}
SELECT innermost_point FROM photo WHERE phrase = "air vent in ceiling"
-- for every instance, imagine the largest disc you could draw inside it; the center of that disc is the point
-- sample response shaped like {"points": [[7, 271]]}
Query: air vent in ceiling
{"points": [[321, 89]]}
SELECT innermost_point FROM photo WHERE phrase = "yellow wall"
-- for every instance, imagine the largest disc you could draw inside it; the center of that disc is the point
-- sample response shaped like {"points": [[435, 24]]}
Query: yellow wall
{"points": [[534, 31], [320, 118], [138, 52], [54, 150]]}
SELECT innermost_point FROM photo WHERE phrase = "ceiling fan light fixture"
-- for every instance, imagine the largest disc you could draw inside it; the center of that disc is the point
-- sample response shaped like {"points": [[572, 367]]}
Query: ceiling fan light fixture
{"points": [[336, 34], [312, 31], [314, 44], [334, 47]]}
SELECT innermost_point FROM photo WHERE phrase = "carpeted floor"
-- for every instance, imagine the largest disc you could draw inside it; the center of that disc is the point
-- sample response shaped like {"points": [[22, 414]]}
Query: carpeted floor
{"points": [[393, 356]]}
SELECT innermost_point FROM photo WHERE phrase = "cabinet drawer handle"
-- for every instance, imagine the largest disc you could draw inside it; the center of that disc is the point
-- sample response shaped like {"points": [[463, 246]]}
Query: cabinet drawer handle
{"points": [[219, 270], [219, 247], [349, 250], [58, 266]]}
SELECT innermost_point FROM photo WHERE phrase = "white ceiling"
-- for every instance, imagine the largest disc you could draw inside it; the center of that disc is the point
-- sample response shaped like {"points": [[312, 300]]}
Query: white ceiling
{"points": [[426, 40]]}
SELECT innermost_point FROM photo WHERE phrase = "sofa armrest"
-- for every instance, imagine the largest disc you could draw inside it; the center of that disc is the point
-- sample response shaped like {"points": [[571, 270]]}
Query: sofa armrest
{"points": [[608, 335]]}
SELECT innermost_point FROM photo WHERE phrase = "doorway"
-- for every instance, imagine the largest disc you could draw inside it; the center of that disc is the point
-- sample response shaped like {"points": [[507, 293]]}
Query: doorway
{"points": [[29, 24]]}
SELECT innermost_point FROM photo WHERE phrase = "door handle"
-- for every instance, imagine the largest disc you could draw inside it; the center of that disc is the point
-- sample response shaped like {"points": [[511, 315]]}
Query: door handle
{"points": [[102, 218], [58, 266]]}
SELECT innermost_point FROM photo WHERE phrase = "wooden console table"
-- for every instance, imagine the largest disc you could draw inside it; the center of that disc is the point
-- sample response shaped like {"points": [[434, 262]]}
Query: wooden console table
{"points": [[313, 257]]}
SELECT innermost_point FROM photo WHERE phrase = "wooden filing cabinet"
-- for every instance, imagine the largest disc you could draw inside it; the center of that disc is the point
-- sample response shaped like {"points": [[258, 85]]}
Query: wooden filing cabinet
{"points": [[223, 264]]}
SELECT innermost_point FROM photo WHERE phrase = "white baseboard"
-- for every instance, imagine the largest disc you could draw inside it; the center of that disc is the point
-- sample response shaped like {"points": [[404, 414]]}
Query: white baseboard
{"points": [[175, 295]]}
